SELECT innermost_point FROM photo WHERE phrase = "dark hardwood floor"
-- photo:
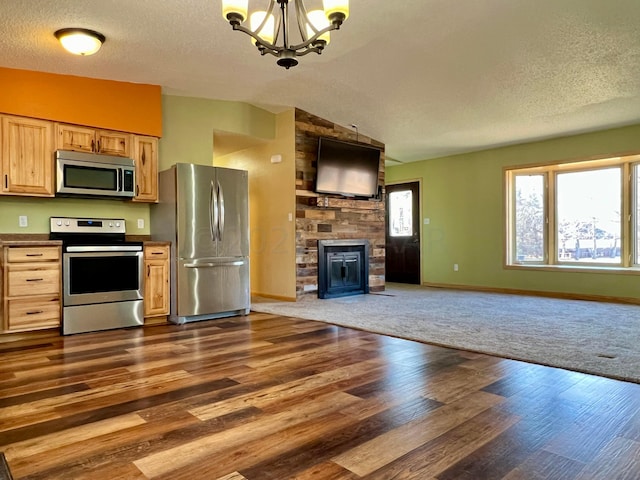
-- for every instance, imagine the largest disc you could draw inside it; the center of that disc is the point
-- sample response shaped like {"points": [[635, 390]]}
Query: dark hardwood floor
{"points": [[268, 397]]}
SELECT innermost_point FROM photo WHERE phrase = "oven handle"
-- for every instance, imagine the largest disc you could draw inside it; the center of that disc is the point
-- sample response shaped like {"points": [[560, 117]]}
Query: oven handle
{"points": [[104, 248]]}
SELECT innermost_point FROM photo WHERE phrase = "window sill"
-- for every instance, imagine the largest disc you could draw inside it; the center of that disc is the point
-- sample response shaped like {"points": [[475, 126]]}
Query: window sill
{"points": [[635, 270]]}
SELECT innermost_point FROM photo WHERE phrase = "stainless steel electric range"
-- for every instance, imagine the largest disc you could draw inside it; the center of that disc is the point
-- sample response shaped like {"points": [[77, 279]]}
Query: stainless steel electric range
{"points": [[101, 274]]}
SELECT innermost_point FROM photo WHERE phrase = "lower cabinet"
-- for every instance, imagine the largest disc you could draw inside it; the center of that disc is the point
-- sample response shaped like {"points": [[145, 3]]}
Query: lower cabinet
{"points": [[31, 292], [156, 283]]}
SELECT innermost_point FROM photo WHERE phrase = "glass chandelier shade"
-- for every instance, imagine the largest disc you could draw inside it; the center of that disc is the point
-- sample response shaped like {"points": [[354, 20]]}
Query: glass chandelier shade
{"points": [[270, 28]]}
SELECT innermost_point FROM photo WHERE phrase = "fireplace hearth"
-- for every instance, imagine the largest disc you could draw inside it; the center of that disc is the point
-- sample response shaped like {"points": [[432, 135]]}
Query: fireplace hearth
{"points": [[343, 268]]}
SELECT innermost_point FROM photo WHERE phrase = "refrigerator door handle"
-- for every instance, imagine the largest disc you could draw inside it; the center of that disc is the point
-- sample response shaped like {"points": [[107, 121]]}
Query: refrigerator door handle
{"points": [[221, 217], [213, 213], [235, 263]]}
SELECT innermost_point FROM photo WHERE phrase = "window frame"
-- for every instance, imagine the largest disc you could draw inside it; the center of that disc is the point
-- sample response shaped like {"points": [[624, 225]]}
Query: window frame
{"points": [[630, 216], [410, 216], [511, 221]]}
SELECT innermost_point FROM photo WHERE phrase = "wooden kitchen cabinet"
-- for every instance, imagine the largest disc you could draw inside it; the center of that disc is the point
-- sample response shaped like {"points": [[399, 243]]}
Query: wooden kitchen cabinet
{"points": [[31, 287], [156, 283], [145, 154], [84, 139], [27, 156]]}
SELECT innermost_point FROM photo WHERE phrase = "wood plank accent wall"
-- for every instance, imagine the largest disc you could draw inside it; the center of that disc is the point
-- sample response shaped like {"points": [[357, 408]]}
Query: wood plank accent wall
{"points": [[327, 217]]}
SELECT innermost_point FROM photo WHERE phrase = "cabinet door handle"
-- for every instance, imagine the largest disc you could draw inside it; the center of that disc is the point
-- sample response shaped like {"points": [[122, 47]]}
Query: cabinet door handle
{"points": [[156, 253], [98, 146], [35, 312], [148, 270], [33, 255], [35, 279], [93, 145], [6, 181]]}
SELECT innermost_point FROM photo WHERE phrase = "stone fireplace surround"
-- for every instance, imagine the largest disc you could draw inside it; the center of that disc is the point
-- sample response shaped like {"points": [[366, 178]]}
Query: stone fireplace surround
{"points": [[332, 217]]}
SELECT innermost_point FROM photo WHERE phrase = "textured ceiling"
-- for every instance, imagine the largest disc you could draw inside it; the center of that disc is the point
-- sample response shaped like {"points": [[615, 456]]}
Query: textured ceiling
{"points": [[426, 77]]}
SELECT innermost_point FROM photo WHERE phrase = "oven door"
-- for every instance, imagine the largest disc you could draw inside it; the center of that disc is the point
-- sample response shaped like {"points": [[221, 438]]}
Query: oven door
{"points": [[91, 277]]}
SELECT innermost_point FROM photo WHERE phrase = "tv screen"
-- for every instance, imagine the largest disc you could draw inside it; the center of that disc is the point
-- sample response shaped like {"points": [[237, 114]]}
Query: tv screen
{"points": [[349, 169]]}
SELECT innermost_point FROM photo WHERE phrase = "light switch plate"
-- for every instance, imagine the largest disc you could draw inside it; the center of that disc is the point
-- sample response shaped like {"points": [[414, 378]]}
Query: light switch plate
{"points": [[23, 221], [141, 223]]}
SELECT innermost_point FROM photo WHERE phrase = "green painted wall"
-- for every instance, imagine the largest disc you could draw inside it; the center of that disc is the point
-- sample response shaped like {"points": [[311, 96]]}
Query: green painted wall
{"points": [[38, 211], [462, 196], [189, 123]]}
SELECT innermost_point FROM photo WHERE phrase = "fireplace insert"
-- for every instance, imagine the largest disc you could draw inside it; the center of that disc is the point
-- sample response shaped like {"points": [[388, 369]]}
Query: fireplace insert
{"points": [[343, 268]]}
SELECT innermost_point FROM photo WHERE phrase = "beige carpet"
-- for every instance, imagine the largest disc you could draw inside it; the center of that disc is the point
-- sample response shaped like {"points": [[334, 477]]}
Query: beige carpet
{"points": [[591, 337]]}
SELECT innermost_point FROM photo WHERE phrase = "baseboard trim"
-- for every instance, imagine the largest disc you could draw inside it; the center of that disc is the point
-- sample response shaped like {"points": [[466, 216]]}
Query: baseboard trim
{"points": [[537, 293], [273, 297]]}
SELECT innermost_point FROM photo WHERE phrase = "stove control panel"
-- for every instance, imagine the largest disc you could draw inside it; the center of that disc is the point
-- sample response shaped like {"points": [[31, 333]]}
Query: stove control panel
{"points": [[87, 225]]}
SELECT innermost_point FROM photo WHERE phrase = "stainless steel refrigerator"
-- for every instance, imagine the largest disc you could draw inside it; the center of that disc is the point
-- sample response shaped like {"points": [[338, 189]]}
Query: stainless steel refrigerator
{"points": [[204, 212]]}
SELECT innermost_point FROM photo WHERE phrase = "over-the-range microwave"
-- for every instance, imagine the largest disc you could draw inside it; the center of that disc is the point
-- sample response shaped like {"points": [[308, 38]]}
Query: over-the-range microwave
{"points": [[91, 174]]}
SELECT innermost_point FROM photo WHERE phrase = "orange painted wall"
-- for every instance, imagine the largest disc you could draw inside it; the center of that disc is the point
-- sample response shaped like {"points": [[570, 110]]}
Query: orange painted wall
{"points": [[128, 107]]}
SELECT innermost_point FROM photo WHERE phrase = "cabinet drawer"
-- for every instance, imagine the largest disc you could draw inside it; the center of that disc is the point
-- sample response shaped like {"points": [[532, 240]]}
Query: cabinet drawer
{"points": [[32, 254], [156, 253], [33, 279], [28, 314]]}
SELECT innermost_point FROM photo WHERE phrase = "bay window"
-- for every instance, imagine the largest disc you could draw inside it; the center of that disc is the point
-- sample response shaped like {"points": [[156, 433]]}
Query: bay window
{"points": [[579, 214]]}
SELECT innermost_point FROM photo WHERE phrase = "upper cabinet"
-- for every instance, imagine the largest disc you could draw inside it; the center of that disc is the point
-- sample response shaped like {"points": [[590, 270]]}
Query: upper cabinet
{"points": [[27, 156], [85, 139], [145, 154], [144, 150]]}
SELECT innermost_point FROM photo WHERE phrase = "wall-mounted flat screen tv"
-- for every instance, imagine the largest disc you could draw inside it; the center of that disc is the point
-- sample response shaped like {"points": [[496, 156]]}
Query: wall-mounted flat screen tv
{"points": [[349, 169]]}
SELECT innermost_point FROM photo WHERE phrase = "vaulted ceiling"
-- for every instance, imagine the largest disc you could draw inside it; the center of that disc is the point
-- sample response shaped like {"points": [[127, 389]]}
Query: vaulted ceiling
{"points": [[427, 77]]}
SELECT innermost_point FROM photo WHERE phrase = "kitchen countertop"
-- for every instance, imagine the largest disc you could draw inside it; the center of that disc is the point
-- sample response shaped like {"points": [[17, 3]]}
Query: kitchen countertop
{"points": [[156, 243], [26, 239]]}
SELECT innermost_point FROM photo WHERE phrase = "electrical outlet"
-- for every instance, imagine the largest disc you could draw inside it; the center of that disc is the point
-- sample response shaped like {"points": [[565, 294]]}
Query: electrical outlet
{"points": [[141, 223], [23, 221], [455, 267]]}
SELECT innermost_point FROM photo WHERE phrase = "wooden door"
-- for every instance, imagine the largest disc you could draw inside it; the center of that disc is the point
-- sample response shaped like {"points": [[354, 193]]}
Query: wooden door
{"points": [[114, 143], [27, 156], [145, 153], [402, 255], [156, 287], [75, 138]]}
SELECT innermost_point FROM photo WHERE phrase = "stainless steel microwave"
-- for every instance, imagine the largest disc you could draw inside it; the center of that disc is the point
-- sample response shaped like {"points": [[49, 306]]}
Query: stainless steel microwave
{"points": [[90, 174]]}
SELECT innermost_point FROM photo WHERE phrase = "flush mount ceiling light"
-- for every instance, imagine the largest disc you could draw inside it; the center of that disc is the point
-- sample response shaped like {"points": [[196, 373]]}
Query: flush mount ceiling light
{"points": [[266, 31], [80, 41]]}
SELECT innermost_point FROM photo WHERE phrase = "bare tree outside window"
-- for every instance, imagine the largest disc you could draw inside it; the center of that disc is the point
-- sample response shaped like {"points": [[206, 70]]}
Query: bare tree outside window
{"points": [[529, 218]]}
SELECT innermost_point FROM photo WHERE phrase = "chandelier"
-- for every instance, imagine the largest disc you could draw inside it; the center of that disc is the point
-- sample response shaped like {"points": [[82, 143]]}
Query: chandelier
{"points": [[313, 26]]}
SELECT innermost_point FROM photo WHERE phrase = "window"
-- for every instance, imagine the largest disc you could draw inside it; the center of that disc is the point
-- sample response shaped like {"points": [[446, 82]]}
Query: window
{"points": [[578, 214], [529, 217], [400, 214], [589, 216]]}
